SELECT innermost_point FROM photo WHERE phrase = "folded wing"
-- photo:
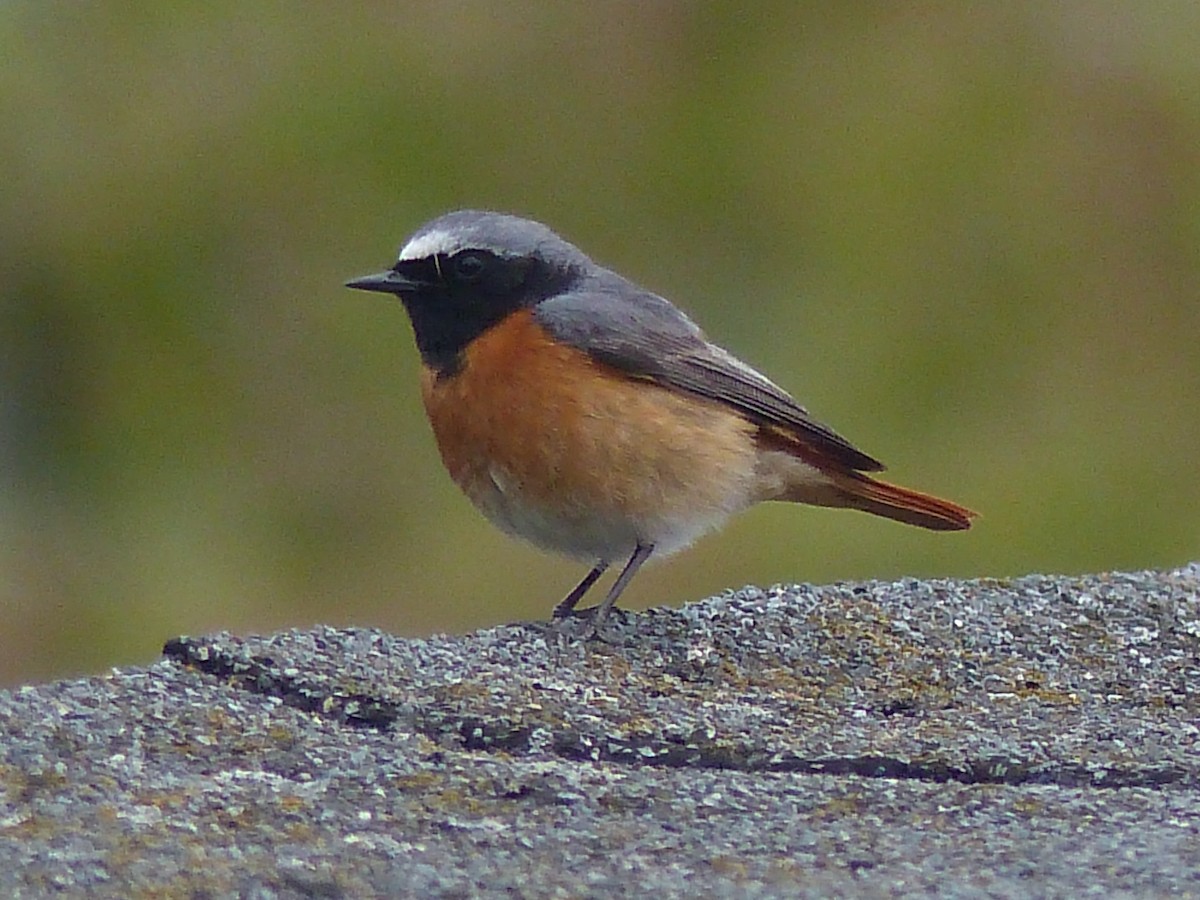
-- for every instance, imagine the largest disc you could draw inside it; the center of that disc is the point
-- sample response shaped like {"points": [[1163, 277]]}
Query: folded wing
{"points": [[646, 337]]}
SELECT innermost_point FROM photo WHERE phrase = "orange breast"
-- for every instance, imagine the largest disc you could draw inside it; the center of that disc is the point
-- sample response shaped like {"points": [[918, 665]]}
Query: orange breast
{"points": [[579, 458]]}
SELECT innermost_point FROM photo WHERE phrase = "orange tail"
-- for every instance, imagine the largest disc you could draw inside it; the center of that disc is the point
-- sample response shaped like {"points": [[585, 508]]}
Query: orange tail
{"points": [[859, 491]]}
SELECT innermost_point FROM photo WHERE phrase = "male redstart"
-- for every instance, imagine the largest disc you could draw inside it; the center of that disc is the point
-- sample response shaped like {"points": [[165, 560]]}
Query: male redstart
{"points": [[583, 413]]}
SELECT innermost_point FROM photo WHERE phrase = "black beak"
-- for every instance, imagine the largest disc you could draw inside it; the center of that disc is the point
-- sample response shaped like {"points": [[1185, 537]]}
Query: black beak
{"points": [[389, 282]]}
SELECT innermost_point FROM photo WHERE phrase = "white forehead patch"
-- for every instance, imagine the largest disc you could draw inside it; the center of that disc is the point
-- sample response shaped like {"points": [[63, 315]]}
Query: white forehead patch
{"points": [[429, 243]]}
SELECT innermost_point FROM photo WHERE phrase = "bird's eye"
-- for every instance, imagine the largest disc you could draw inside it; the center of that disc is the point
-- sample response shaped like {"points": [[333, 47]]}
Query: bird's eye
{"points": [[469, 267]]}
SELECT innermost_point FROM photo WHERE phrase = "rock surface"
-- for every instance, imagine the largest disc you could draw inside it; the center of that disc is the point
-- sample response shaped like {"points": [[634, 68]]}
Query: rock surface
{"points": [[1034, 737]]}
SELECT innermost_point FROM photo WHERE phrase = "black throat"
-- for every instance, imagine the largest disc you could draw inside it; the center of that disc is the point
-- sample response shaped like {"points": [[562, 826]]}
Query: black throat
{"points": [[451, 310], [443, 332]]}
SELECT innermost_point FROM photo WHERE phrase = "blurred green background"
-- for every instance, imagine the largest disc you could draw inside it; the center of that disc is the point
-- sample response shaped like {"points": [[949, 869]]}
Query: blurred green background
{"points": [[965, 235]]}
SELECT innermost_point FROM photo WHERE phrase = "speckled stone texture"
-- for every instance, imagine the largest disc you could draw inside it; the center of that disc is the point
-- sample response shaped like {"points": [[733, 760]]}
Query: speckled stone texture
{"points": [[1034, 737]]}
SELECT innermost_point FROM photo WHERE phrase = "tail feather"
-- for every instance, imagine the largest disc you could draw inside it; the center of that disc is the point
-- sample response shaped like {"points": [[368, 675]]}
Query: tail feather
{"points": [[891, 501], [810, 475]]}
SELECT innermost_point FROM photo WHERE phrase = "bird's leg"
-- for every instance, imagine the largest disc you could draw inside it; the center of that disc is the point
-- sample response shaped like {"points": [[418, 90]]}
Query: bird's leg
{"points": [[641, 553], [567, 606]]}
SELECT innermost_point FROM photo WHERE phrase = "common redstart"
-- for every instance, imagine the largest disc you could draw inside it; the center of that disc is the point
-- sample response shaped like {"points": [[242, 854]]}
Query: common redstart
{"points": [[591, 417]]}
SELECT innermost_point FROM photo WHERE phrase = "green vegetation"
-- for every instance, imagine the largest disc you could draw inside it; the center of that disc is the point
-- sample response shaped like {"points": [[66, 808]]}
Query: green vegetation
{"points": [[966, 235]]}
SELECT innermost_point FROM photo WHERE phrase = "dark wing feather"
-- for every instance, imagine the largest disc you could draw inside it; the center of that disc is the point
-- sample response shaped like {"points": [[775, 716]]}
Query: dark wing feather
{"points": [[642, 334]]}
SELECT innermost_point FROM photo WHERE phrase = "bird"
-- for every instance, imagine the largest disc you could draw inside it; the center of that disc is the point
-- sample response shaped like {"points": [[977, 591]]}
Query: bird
{"points": [[593, 418]]}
